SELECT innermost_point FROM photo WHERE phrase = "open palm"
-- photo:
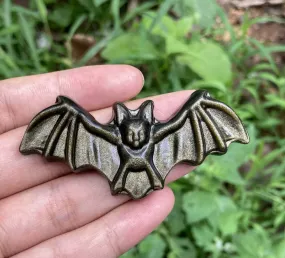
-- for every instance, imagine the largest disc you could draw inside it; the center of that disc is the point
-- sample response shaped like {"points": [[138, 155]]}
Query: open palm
{"points": [[45, 210]]}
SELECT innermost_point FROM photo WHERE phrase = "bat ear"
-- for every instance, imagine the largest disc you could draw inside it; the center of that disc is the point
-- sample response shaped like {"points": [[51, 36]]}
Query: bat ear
{"points": [[121, 112], [146, 111]]}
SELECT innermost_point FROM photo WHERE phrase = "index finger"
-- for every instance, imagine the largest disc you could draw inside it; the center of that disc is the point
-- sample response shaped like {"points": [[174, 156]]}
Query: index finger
{"points": [[94, 87]]}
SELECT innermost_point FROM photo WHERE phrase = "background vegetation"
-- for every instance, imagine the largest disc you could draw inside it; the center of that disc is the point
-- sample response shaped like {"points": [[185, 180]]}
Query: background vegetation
{"points": [[231, 206]]}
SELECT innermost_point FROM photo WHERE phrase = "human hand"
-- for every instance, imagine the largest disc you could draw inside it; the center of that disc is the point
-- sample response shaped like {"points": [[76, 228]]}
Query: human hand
{"points": [[45, 210]]}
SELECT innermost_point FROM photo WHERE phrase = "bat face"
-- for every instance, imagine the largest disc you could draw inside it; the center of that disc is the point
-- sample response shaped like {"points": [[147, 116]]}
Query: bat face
{"points": [[135, 132], [135, 125]]}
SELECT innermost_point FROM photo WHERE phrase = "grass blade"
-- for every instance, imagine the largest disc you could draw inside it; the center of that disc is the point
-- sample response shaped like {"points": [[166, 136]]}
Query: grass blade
{"points": [[162, 11], [32, 14], [115, 10], [136, 11], [95, 49], [28, 35], [42, 10], [71, 33], [8, 64], [43, 13], [263, 50], [76, 26], [8, 24], [8, 31]]}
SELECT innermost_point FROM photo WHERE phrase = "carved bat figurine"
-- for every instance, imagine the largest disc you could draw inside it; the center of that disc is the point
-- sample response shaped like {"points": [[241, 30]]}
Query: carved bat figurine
{"points": [[134, 151]]}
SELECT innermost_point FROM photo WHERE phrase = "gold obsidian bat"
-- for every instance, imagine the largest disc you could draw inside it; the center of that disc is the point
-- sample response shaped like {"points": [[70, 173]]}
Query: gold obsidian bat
{"points": [[134, 151]]}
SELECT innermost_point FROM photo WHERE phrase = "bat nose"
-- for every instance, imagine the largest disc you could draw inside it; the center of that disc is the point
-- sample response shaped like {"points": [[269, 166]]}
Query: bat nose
{"points": [[136, 137]]}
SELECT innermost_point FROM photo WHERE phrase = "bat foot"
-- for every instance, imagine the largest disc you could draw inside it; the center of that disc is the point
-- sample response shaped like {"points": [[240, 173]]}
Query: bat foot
{"points": [[157, 184], [155, 179], [136, 184], [117, 187]]}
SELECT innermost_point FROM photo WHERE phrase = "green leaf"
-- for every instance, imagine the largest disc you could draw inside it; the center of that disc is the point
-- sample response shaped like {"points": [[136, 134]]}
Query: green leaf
{"points": [[228, 222], [183, 26], [207, 11], [167, 26], [181, 248], [225, 203], [62, 15], [130, 47], [152, 247], [252, 244], [226, 167], [176, 219], [204, 11], [198, 205], [208, 60], [220, 211], [203, 234], [279, 249], [226, 173], [175, 46], [130, 254], [226, 215]]}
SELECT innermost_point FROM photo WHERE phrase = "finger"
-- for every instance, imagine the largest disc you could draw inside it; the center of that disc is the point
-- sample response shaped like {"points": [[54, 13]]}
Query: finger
{"points": [[111, 235], [178, 171], [19, 172], [93, 87], [55, 208], [58, 206]]}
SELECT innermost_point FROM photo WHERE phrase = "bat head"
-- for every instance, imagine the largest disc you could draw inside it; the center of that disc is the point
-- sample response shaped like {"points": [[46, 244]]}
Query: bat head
{"points": [[135, 125]]}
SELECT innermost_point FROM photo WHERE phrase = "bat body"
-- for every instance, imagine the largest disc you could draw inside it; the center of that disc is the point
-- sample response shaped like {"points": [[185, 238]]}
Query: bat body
{"points": [[134, 151]]}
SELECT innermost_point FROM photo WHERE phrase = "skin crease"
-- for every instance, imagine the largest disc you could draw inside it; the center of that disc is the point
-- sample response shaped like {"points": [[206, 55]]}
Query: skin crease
{"points": [[46, 211]]}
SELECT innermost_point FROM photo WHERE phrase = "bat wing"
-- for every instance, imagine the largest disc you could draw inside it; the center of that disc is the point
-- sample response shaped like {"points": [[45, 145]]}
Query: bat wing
{"points": [[209, 129], [65, 131]]}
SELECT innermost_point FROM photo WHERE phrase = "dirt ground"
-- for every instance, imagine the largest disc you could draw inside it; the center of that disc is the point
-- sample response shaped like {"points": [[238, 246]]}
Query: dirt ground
{"points": [[270, 32]]}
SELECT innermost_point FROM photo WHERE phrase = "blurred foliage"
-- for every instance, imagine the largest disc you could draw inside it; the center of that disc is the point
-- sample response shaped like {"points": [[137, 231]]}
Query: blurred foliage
{"points": [[232, 205]]}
